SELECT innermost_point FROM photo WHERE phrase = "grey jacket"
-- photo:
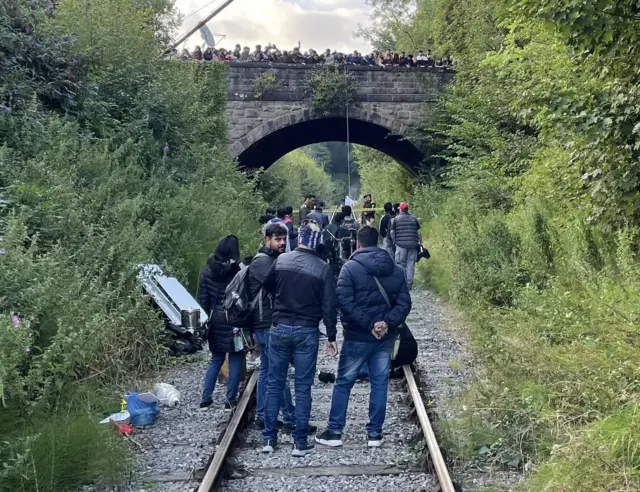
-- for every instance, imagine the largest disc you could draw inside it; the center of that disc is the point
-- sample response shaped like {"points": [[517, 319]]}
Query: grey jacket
{"points": [[406, 231]]}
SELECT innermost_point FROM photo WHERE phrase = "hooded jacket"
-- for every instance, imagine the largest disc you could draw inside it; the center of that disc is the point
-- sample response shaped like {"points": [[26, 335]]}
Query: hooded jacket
{"points": [[360, 300], [220, 270]]}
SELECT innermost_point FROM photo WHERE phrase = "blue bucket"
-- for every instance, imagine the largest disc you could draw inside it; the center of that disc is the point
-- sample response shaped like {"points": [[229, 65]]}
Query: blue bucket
{"points": [[142, 413]]}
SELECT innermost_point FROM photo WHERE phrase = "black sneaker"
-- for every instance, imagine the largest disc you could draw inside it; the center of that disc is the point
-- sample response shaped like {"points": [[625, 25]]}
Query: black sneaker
{"points": [[374, 441], [205, 405], [328, 438], [259, 424], [311, 429], [230, 405], [301, 450], [268, 446]]}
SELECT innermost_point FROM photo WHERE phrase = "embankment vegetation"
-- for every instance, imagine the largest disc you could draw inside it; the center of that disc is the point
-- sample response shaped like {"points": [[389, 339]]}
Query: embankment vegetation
{"points": [[109, 158], [536, 233]]}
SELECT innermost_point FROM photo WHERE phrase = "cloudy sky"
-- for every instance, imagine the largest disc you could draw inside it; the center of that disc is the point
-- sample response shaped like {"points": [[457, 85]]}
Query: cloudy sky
{"points": [[318, 24]]}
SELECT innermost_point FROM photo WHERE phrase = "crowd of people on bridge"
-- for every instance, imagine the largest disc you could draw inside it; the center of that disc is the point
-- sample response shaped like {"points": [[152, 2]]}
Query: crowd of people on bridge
{"points": [[272, 54], [308, 269]]}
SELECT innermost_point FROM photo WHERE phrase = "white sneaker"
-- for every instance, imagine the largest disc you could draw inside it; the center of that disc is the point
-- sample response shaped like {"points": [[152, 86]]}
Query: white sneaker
{"points": [[374, 441]]}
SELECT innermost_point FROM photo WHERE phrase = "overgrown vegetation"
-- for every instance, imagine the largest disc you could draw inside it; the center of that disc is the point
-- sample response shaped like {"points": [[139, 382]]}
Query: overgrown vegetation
{"points": [[264, 83], [288, 180], [330, 88], [536, 233], [110, 157]]}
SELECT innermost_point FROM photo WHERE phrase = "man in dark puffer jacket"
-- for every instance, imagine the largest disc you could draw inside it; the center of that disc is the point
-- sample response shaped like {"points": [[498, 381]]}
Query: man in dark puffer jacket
{"points": [[221, 267], [275, 242], [370, 326]]}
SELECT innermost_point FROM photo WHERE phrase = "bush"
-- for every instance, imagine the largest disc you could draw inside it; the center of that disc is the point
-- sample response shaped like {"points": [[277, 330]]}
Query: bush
{"points": [[330, 88], [287, 181], [111, 158]]}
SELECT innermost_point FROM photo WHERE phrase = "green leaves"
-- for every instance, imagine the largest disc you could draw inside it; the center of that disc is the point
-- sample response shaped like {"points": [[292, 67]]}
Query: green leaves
{"points": [[330, 88]]}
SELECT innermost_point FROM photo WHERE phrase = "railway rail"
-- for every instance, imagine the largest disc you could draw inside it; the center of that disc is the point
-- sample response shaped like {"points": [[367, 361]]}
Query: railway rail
{"points": [[238, 464]]}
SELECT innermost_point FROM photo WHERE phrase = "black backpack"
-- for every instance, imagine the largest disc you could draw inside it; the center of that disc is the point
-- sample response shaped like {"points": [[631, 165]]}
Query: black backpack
{"points": [[237, 305]]}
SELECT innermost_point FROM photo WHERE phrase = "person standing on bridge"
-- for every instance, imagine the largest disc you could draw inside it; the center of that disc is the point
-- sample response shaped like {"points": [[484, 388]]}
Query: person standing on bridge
{"points": [[304, 293], [374, 302], [405, 232]]}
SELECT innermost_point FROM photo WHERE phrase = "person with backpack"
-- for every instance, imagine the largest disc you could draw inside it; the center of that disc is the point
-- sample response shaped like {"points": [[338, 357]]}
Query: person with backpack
{"points": [[347, 234], [304, 293], [274, 245], [374, 302], [220, 270]]}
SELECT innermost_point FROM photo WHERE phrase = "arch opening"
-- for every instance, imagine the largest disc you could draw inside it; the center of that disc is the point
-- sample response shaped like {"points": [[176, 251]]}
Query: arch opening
{"points": [[268, 149]]}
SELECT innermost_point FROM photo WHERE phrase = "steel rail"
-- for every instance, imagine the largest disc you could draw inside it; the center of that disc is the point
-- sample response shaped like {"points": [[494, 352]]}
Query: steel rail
{"points": [[434, 450], [214, 471]]}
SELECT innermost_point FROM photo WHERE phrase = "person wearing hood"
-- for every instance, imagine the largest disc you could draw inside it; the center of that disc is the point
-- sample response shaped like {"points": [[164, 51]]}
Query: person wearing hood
{"points": [[374, 302], [221, 267]]}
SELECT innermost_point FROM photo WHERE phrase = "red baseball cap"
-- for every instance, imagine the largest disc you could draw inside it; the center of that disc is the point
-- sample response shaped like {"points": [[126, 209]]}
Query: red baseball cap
{"points": [[404, 206]]}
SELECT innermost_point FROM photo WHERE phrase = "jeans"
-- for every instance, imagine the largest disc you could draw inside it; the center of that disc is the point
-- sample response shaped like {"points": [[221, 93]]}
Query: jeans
{"points": [[286, 341], [288, 410], [236, 359], [353, 356], [406, 259]]}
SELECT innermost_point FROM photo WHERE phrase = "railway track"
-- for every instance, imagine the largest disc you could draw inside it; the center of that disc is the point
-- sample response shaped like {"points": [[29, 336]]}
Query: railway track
{"points": [[238, 464]]}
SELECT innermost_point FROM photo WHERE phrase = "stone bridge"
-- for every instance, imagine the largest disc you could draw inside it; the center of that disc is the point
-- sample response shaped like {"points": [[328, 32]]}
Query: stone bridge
{"points": [[391, 107]]}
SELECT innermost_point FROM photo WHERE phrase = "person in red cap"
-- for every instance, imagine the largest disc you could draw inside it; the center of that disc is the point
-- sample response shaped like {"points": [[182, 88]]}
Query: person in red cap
{"points": [[405, 233]]}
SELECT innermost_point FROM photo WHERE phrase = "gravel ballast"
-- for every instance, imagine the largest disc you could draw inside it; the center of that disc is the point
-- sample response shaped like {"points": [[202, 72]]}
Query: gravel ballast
{"points": [[181, 441]]}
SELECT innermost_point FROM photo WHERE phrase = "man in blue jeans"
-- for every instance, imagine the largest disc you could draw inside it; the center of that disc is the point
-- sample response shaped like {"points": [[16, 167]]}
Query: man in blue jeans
{"points": [[275, 241], [304, 293], [374, 301]]}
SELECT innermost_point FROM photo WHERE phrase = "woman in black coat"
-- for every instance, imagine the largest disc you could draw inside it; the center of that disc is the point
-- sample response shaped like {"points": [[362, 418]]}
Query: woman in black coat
{"points": [[221, 267]]}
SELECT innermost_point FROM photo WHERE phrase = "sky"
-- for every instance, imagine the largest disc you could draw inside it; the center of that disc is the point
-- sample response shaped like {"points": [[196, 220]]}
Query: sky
{"points": [[317, 24]]}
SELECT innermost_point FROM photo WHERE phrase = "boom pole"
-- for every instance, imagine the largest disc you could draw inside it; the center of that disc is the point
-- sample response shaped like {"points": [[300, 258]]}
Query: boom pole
{"points": [[198, 26]]}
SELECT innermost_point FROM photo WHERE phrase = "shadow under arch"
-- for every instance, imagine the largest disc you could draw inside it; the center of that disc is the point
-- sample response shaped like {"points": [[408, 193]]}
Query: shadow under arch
{"points": [[269, 144]]}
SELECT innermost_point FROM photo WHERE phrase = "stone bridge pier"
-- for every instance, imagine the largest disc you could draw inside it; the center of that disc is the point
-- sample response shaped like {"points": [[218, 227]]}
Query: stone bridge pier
{"points": [[391, 108]]}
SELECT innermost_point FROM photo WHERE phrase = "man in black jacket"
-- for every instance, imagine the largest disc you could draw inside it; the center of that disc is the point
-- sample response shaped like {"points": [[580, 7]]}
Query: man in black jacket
{"points": [[374, 301], [275, 241], [304, 294]]}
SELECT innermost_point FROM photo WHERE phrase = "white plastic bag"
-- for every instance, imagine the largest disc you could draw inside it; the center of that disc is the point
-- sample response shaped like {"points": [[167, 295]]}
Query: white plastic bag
{"points": [[167, 394]]}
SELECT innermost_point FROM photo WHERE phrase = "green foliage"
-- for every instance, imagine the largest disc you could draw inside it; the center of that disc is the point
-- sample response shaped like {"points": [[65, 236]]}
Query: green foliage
{"points": [[61, 452], [288, 180], [330, 88], [381, 176], [536, 233], [264, 83], [111, 157]]}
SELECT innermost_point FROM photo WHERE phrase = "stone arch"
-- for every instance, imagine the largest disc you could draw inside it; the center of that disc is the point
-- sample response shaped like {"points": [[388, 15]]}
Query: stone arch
{"points": [[285, 132]]}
